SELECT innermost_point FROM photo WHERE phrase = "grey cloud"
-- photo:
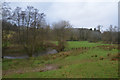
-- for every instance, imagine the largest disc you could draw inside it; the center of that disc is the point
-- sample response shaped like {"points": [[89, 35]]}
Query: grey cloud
{"points": [[79, 14]]}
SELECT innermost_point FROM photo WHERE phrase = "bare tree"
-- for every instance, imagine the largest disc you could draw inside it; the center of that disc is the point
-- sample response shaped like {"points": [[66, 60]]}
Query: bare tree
{"points": [[111, 35], [61, 29]]}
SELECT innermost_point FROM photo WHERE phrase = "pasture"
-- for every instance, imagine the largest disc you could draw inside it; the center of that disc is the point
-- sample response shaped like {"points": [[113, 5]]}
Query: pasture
{"points": [[81, 59]]}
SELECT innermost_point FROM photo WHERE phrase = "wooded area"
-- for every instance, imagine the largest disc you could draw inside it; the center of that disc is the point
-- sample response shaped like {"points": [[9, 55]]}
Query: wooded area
{"points": [[30, 30]]}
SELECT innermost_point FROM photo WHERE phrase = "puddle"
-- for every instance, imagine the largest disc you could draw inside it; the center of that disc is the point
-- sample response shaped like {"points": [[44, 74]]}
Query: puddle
{"points": [[53, 51]]}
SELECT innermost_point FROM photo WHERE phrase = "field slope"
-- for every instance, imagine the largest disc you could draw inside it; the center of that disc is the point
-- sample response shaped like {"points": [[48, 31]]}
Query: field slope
{"points": [[79, 60]]}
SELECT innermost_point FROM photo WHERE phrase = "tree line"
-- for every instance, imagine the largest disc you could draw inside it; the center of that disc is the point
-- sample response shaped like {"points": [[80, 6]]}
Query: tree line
{"points": [[29, 29]]}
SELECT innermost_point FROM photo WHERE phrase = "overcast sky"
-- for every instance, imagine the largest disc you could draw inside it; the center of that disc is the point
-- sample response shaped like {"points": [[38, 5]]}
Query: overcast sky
{"points": [[79, 14]]}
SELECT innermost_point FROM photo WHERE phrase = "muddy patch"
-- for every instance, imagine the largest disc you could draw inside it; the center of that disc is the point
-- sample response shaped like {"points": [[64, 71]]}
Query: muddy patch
{"points": [[47, 67]]}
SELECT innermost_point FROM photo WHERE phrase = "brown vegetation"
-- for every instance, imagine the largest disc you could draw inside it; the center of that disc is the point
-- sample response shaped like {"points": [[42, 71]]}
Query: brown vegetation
{"points": [[101, 58], [108, 47], [115, 57]]}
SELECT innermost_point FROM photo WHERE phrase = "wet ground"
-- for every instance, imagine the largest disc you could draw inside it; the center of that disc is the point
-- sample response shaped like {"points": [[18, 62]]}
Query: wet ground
{"points": [[23, 56]]}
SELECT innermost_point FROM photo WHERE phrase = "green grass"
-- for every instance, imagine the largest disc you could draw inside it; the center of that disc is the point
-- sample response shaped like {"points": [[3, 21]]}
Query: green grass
{"points": [[100, 69], [77, 65], [77, 44]]}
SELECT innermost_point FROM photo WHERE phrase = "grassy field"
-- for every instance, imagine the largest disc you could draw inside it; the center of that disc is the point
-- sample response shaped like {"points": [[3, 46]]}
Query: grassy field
{"points": [[80, 60]]}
